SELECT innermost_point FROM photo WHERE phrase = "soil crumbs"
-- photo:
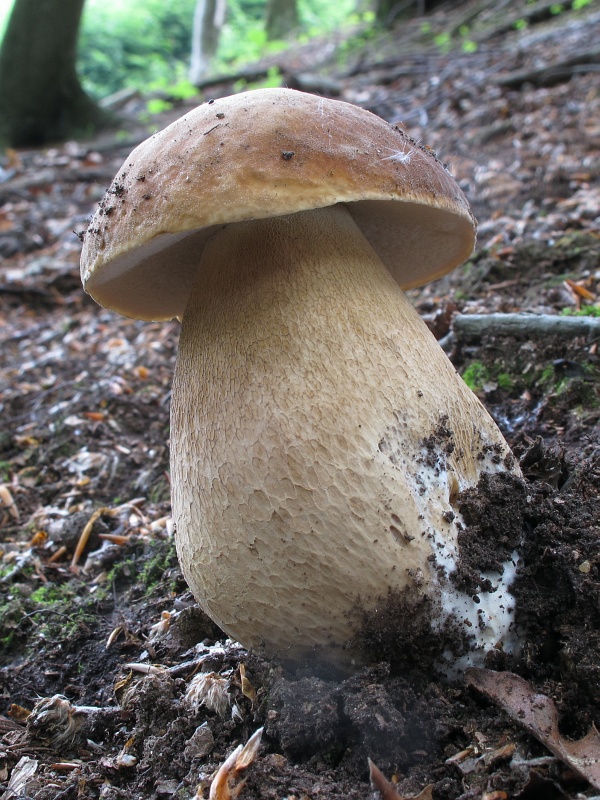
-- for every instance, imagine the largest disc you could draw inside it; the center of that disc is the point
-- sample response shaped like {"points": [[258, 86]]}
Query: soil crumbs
{"points": [[113, 682]]}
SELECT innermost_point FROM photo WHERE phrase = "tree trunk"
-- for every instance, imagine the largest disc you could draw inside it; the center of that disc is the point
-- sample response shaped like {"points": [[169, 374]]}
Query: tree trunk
{"points": [[281, 18], [41, 99], [209, 17], [388, 12]]}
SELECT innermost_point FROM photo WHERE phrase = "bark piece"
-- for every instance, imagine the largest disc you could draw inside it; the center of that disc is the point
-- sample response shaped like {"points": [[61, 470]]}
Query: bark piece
{"points": [[549, 74], [470, 326]]}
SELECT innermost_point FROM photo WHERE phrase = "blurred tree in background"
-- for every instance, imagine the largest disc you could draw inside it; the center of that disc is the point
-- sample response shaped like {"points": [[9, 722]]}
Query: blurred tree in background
{"points": [[389, 12], [139, 44], [209, 17], [144, 44], [281, 19], [41, 99]]}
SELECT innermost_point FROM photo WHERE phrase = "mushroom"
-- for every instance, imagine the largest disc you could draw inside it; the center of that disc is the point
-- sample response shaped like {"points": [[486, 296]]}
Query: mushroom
{"points": [[319, 436]]}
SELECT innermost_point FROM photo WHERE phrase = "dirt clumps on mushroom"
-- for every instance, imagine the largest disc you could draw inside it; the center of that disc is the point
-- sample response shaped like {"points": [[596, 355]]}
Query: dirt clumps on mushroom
{"points": [[309, 474]]}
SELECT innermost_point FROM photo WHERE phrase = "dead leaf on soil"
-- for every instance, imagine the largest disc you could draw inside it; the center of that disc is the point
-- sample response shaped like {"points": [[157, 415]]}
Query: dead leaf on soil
{"points": [[222, 787], [24, 770], [247, 689], [7, 504], [387, 790], [537, 714]]}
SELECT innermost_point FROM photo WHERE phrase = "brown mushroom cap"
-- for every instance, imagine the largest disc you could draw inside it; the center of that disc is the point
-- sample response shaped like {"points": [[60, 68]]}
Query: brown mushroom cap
{"points": [[260, 154]]}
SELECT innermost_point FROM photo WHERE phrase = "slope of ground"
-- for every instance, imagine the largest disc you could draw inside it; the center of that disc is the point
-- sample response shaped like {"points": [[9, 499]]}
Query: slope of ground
{"points": [[108, 624]]}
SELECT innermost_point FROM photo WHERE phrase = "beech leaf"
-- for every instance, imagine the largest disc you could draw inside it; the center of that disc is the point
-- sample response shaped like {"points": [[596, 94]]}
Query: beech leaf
{"points": [[537, 713]]}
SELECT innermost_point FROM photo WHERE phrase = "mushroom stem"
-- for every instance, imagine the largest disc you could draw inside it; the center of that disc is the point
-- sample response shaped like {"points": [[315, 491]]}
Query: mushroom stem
{"points": [[319, 435]]}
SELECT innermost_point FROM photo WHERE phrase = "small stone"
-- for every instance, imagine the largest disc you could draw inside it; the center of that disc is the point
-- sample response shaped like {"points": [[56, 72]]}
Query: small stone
{"points": [[200, 743]]}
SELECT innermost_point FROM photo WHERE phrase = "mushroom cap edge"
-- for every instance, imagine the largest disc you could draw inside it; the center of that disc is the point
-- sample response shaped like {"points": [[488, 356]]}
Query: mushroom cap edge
{"points": [[268, 152]]}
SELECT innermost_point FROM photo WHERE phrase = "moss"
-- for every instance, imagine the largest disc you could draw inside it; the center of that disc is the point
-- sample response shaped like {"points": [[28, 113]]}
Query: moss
{"points": [[476, 375], [586, 311], [546, 376], [504, 381], [50, 593], [160, 491], [122, 570], [162, 565]]}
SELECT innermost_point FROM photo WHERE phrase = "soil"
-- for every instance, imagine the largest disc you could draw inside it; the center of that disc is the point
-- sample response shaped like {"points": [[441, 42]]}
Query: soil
{"points": [[84, 409]]}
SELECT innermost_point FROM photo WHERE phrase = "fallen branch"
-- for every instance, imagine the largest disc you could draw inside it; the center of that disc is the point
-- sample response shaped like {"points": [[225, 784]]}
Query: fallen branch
{"points": [[532, 15], [51, 176], [530, 326], [306, 82], [552, 73]]}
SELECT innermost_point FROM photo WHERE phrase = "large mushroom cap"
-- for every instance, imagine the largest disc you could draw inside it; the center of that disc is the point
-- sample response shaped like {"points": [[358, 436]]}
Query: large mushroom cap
{"points": [[260, 154]]}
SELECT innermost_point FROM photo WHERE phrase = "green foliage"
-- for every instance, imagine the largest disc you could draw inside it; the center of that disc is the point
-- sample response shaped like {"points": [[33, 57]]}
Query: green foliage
{"points": [[476, 376], [159, 567], [358, 41], [143, 45], [504, 381], [585, 311], [446, 43], [272, 81], [146, 44], [157, 106], [443, 41], [244, 39]]}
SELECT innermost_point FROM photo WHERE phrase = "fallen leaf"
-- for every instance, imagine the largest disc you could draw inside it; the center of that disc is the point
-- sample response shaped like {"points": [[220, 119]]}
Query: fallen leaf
{"points": [[222, 787], [381, 784], [24, 770], [387, 790], [247, 689], [538, 715]]}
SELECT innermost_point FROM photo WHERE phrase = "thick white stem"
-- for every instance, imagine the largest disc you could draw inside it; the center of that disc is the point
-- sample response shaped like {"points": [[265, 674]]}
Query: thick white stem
{"points": [[319, 434]]}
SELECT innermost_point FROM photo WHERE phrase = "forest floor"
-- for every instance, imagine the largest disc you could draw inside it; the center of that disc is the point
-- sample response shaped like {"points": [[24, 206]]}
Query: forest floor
{"points": [[101, 640]]}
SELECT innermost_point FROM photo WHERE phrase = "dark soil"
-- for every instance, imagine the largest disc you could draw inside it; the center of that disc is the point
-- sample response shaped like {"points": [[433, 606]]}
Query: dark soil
{"points": [[84, 410]]}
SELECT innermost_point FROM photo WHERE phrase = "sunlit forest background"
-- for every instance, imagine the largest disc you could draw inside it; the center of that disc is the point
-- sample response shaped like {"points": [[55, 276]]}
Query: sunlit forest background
{"points": [[146, 45]]}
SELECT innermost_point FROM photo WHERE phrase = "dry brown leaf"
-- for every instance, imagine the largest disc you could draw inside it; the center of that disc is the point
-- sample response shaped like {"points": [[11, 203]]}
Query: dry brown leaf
{"points": [[18, 713], [24, 770], [247, 689], [8, 504], [387, 790], [537, 714], [580, 290], [379, 782], [222, 786]]}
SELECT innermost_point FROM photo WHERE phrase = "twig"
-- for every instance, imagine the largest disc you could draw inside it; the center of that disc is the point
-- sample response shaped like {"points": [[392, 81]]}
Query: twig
{"points": [[303, 80], [552, 73], [471, 326], [85, 533], [539, 12]]}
